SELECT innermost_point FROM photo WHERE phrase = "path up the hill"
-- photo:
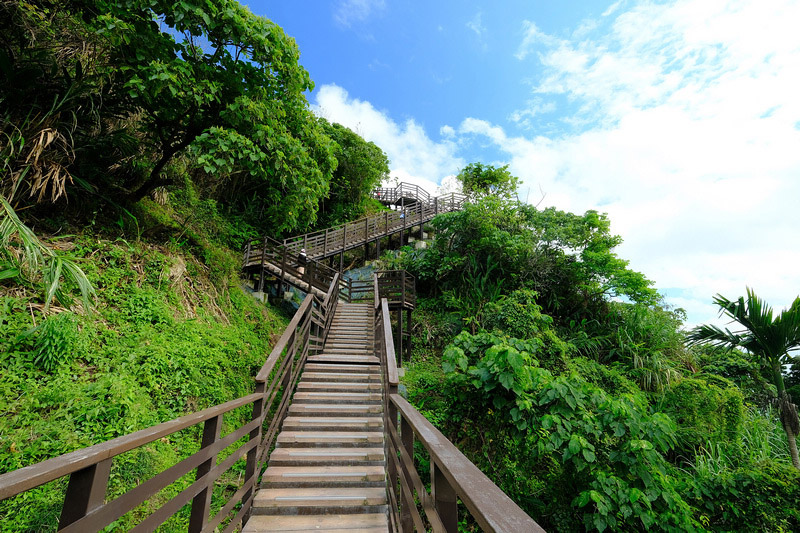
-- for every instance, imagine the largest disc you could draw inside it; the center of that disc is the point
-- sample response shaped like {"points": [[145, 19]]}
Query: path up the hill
{"points": [[328, 470]]}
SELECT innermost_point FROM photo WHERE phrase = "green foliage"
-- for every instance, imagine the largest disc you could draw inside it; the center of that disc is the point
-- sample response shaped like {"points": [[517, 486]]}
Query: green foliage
{"points": [[571, 266], [610, 448], [160, 344], [479, 180], [361, 167], [56, 341], [705, 412], [759, 498], [518, 315], [23, 257], [769, 340]]}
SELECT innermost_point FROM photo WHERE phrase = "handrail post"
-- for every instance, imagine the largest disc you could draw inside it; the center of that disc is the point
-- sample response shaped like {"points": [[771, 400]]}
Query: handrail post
{"points": [[263, 259], [201, 504], [325, 244], [86, 492], [283, 271], [251, 465], [407, 438], [444, 498]]}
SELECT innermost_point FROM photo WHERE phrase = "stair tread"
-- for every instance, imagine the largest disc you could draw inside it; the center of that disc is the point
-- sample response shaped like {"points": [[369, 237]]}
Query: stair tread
{"points": [[352, 456], [318, 496], [330, 523]]}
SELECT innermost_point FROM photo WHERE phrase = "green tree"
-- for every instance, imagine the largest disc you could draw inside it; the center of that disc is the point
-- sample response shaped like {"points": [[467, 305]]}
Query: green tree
{"points": [[479, 180], [361, 167], [768, 339]]}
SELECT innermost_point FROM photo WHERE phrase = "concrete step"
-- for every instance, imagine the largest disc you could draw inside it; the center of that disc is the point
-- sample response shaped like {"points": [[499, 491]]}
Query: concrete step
{"points": [[362, 523], [333, 410], [322, 500], [324, 476], [363, 456], [330, 439], [337, 397], [330, 423]]}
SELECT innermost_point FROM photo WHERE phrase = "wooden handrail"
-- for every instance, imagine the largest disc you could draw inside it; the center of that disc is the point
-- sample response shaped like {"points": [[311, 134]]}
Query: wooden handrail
{"points": [[288, 333], [488, 505], [32, 476]]}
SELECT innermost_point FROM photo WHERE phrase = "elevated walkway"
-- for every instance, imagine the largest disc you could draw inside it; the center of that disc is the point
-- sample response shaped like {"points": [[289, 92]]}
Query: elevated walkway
{"points": [[267, 257]]}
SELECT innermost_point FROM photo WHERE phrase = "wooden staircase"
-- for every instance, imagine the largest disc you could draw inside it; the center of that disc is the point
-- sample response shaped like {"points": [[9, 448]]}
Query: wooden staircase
{"points": [[328, 470]]}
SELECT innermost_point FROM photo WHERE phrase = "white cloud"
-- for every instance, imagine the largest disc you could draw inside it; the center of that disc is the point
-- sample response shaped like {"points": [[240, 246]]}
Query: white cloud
{"points": [[686, 135], [476, 24], [349, 12], [413, 155]]}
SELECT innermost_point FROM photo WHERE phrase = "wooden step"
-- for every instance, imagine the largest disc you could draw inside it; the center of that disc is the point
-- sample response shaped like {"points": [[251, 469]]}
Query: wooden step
{"points": [[337, 386], [330, 423], [327, 456], [330, 409], [320, 500], [341, 358], [330, 439], [362, 523], [334, 367], [324, 476], [337, 397], [345, 377]]}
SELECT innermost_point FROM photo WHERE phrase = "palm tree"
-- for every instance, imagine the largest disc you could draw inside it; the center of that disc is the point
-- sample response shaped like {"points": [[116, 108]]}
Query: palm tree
{"points": [[769, 340]]}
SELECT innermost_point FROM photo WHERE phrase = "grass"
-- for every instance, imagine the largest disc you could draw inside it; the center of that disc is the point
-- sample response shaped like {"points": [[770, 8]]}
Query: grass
{"points": [[172, 332]]}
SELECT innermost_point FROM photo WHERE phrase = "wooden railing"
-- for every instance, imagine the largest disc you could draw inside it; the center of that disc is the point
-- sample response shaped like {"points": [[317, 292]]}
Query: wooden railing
{"points": [[337, 239], [403, 191], [85, 508], [398, 287], [453, 477]]}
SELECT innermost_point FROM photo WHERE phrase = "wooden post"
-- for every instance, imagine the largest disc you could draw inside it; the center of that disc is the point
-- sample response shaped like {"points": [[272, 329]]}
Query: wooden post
{"points": [[201, 504], [263, 257], [85, 493], [341, 261], [283, 272], [407, 437], [251, 466], [444, 498], [399, 354], [325, 244]]}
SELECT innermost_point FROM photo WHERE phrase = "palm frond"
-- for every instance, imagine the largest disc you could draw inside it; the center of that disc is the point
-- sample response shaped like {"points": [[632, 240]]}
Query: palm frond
{"points": [[36, 260]]}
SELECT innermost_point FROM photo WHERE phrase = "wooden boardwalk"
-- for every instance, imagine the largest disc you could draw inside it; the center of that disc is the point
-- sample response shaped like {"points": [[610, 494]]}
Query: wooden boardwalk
{"points": [[413, 207], [328, 469]]}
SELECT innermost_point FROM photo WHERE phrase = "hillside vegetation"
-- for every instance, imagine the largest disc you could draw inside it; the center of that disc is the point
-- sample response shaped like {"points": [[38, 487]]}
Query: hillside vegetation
{"points": [[562, 375], [145, 142]]}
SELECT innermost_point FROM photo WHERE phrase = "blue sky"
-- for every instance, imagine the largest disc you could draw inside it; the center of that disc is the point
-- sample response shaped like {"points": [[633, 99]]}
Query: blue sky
{"points": [[679, 119]]}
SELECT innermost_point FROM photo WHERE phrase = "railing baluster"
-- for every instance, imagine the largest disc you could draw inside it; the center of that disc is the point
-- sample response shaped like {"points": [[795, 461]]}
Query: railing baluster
{"points": [[85, 493], [407, 436], [444, 498], [201, 504]]}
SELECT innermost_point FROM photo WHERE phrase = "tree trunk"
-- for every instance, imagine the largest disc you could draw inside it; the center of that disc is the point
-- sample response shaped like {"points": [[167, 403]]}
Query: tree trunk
{"points": [[792, 438]]}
